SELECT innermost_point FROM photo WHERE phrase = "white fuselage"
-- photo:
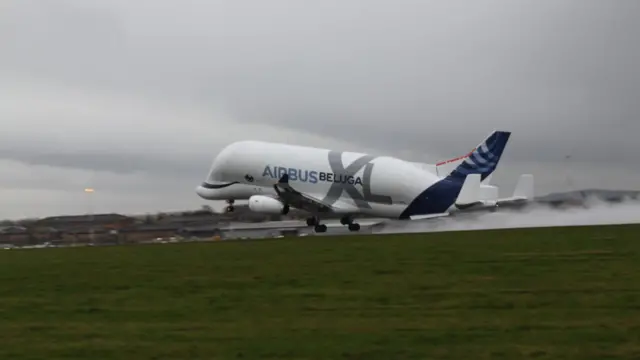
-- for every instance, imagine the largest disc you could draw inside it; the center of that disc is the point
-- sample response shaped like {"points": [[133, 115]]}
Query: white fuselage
{"points": [[354, 182]]}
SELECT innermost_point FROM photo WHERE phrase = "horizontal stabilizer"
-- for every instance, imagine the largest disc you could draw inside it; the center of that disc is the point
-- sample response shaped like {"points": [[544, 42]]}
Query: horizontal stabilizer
{"points": [[470, 192]]}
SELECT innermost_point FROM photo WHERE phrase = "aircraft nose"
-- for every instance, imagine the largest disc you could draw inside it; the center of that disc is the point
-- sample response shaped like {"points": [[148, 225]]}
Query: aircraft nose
{"points": [[201, 191]]}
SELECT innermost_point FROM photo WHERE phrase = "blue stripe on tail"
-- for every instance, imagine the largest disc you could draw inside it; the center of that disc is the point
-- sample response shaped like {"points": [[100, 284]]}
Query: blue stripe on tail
{"points": [[484, 159], [439, 197]]}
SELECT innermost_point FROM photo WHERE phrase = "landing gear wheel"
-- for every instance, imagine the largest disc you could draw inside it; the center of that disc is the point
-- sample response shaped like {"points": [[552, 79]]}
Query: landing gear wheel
{"points": [[285, 210], [321, 228], [229, 209], [354, 227], [312, 221]]}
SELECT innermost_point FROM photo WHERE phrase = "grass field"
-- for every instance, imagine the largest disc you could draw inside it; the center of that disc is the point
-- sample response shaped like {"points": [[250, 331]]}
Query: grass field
{"points": [[570, 293]]}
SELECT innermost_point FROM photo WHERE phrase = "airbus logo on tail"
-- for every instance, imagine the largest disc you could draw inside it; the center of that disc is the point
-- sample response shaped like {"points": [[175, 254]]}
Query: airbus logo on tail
{"points": [[311, 176]]}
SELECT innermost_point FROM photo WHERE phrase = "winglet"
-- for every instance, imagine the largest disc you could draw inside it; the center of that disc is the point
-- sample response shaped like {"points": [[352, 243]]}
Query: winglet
{"points": [[524, 187], [470, 192], [522, 194]]}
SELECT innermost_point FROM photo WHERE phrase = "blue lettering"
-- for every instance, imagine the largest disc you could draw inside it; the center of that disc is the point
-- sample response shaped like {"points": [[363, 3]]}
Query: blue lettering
{"points": [[293, 174], [313, 177], [267, 171], [310, 176], [305, 177]]}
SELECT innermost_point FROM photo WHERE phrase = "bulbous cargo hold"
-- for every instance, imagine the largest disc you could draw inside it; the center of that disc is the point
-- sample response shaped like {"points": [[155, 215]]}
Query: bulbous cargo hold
{"points": [[275, 177]]}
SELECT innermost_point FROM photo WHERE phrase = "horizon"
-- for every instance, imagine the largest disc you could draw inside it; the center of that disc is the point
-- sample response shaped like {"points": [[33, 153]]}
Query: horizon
{"points": [[241, 203]]}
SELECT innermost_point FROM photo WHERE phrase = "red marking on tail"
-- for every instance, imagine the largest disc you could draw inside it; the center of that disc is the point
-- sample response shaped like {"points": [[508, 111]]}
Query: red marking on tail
{"points": [[456, 159]]}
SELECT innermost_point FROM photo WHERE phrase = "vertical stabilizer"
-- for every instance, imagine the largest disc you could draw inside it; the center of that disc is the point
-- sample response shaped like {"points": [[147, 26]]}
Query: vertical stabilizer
{"points": [[484, 159]]}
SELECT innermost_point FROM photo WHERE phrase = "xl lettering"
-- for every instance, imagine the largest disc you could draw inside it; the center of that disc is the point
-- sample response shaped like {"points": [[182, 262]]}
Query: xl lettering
{"points": [[361, 199], [366, 188]]}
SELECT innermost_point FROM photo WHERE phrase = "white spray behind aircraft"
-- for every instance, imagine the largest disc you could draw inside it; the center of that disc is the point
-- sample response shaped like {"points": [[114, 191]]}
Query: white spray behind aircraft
{"points": [[275, 177]]}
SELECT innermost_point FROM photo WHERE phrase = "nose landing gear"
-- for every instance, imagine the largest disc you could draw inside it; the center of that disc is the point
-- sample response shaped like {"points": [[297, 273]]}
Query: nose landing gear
{"points": [[230, 207]]}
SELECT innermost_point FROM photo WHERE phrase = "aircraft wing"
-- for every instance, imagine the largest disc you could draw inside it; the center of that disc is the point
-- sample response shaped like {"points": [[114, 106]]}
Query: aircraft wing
{"points": [[468, 199], [522, 193], [303, 201], [469, 195]]}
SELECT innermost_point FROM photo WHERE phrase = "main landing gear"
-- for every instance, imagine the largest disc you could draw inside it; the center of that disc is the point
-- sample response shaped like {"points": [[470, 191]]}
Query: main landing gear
{"points": [[230, 206], [321, 228], [346, 220], [315, 222]]}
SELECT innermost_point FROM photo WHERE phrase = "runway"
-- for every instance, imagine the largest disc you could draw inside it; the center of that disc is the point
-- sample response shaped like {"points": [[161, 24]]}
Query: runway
{"points": [[594, 212]]}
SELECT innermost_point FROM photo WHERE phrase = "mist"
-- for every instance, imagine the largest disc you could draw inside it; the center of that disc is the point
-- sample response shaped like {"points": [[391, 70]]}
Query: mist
{"points": [[593, 212]]}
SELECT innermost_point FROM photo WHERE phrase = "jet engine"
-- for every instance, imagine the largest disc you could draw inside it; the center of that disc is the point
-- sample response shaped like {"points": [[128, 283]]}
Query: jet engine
{"points": [[267, 205]]}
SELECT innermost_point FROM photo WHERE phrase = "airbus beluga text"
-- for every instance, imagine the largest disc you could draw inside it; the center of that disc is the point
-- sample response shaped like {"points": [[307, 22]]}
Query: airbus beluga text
{"points": [[276, 177]]}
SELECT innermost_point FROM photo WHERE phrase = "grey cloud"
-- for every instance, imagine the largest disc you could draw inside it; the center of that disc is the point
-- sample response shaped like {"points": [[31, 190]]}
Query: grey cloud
{"points": [[158, 86], [123, 163], [54, 39]]}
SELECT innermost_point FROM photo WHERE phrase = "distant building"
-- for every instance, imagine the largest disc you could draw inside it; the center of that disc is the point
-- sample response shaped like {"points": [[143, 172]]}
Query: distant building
{"points": [[203, 231], [147, 232], [15, 235], [188, 220], [109, 221], [41, 234], [88, 235]]}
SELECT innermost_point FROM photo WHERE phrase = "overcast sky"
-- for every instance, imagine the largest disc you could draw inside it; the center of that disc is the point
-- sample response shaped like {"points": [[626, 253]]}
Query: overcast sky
{"points": [[135, 97]]}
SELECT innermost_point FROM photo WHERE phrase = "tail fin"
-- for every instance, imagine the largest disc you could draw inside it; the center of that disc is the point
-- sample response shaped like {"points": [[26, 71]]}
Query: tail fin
{"points": [[483, 160]]}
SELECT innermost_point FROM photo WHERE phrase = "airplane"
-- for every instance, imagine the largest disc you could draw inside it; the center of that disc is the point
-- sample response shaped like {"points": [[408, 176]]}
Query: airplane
{"points": [[276, 177]]}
